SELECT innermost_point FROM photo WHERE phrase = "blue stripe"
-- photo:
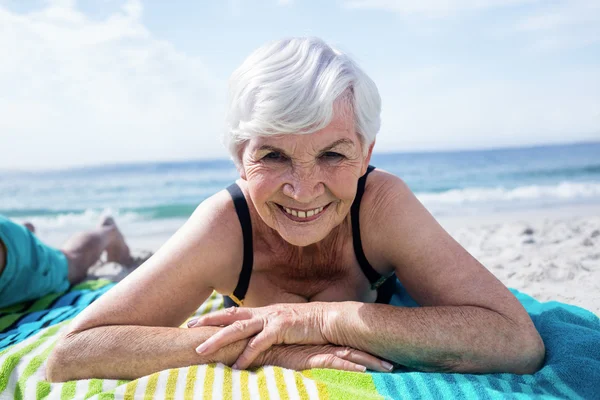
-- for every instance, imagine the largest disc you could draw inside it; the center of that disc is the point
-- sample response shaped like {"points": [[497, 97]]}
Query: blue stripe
{"points": [[426, 384], [466, 386], [565, 390], [455, 389], [386, 384]]}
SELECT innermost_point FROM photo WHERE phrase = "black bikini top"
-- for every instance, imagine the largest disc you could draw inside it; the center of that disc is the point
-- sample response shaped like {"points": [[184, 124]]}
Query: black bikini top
{"points": [[384, 285]]}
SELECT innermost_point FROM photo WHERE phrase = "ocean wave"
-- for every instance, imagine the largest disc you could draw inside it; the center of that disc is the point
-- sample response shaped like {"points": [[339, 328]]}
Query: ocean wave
{"points": [[564, 191]]}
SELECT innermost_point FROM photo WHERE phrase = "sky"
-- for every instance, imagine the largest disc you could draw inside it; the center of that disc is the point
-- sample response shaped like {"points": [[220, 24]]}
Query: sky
{"points": [[93, 82]]}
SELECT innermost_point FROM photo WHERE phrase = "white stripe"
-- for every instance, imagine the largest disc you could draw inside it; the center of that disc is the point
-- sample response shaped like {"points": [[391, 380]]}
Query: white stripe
{"points": [[271, 383], [119, 391], [199, 386], [161, 384], [81, 388], [311, 388], [180, 386], [236, 379], [290, 383], [30, 389], [253, 385], [55, 391], [218, 381], [140, 389]]}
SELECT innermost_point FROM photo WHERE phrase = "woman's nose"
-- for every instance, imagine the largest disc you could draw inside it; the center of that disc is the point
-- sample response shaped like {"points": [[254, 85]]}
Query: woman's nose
{"points": [[303, 189]]}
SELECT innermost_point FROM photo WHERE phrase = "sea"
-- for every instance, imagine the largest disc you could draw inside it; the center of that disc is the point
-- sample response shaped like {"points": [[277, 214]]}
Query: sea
{"points": [[150, 201]]}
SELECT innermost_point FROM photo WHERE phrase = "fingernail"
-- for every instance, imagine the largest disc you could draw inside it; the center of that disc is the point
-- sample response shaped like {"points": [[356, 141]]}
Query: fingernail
{"points": [[361, 368], [200, 349], [235, 366], [387, 365], [192, 322]]}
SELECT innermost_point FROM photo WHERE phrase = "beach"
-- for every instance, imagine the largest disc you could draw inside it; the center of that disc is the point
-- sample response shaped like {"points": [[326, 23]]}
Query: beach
{"points": [[549, 255]]}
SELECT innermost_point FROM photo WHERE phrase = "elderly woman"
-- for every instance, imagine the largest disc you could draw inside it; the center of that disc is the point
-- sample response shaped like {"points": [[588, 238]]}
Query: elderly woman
{"points": [[309, 243]]}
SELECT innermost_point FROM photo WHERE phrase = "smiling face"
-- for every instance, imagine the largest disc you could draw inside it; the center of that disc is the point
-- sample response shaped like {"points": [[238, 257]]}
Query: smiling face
{"points": [[303, 186]]}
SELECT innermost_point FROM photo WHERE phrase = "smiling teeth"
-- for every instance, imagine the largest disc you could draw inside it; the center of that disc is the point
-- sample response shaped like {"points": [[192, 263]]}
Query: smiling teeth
{"points": [[303, 214]]}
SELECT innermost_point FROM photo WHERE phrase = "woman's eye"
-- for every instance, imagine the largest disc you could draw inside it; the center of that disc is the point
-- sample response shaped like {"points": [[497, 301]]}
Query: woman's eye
{"points": [[330, 155], [274, 156]]}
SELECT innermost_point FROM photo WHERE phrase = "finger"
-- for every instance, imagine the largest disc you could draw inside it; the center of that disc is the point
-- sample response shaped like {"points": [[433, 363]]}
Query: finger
{"points": [[222, 317], [257, 345], [360, 357], [334, 362], [238, 330]]}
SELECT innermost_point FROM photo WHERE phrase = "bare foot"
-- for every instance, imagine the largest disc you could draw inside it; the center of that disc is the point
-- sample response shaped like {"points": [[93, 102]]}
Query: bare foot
{"points": [[117, 251], [29, 226]]}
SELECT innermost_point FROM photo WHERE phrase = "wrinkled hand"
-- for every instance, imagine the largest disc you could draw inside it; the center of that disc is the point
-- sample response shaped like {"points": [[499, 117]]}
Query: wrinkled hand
{"points": [[265, 327], [301, 357]]}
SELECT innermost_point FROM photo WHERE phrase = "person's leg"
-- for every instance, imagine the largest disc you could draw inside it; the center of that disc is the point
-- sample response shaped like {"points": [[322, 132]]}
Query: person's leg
{"points": [[85, 248]]}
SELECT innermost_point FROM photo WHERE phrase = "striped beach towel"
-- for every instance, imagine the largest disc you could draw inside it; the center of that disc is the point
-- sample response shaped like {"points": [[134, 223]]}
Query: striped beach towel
{"points": [[572, 369]]}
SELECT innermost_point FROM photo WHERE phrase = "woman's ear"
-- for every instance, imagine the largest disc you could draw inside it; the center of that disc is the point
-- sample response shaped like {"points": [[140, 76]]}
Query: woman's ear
{"points": [[367, 160]]}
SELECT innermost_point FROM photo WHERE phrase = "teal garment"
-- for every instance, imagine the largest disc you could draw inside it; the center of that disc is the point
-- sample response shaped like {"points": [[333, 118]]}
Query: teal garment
{"points": [[32, 269]]}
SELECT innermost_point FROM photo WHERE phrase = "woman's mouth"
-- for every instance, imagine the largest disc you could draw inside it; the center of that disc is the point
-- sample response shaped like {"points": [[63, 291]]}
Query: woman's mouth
{"points": [[303, 215]]}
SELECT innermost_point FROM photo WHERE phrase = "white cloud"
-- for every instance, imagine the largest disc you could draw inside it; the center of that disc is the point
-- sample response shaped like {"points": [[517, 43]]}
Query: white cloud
{"points": [[432, 8], [563, 24], [77, 90]]}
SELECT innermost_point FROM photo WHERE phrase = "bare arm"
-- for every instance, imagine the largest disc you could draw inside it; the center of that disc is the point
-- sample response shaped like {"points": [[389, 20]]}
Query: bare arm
{"points": [[133, 328], [130, 352], [469, 321]]}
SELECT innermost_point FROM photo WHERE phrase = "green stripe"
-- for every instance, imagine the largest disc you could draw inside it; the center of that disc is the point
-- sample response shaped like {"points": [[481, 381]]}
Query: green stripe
{"points": [[321, 388], [42, 390], [12, 360], [302, 392], [261, 380], [172, 384], [190, 381], [344, 384], [280, 383], [122, 382], [95, 387], [8, 320], [68, 390], [91, 285], [19, 307], [151, 386], [30, 369], [44, 302], [244, 385], [130, 390], [227, 384], [209, 378]]}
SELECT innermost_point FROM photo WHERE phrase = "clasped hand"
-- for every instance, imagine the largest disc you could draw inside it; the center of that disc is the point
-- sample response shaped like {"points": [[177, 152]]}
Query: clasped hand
{"points": [[264, 327]]}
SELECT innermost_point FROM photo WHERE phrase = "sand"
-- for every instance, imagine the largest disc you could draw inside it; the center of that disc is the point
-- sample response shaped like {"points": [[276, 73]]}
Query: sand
{"points": [[548, 254]]}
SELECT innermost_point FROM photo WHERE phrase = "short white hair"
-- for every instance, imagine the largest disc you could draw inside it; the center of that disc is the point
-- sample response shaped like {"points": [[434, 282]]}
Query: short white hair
{"points": [[290, 86]]}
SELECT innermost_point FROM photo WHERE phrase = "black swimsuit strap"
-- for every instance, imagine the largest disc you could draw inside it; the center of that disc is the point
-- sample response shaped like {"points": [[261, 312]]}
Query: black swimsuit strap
{"points": [[385, 285], [372, 275], [243, 213]]}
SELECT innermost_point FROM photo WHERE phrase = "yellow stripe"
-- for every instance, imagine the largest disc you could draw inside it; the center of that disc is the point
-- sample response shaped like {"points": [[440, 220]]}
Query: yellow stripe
{"points": [[227, 384], [209, 379], [172, 383], [130, 390], [151, 386], [261, 380], [300, 385], [280, 382], [321, 388], [244, 385], [190, 381]]}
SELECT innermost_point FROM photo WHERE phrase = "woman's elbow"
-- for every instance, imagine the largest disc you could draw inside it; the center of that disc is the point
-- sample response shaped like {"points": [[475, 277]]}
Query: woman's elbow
{"points": [[530, 353], [60, 363]]}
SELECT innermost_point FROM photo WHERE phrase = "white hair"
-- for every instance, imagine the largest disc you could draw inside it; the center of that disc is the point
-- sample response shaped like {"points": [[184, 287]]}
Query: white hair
{"points": [[290, 86]]}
